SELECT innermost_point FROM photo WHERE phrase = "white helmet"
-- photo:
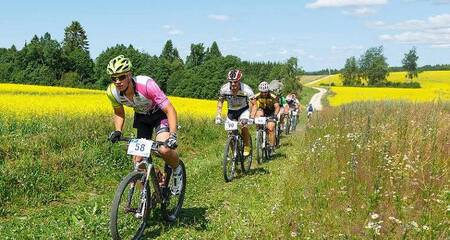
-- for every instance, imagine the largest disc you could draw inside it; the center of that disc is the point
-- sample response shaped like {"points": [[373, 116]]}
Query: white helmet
{"points": [[263, 87]]}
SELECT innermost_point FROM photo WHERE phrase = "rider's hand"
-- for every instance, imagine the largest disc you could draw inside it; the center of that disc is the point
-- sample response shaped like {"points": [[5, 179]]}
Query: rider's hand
{"points": [[218, 120], [115, 136], [171, 142]]}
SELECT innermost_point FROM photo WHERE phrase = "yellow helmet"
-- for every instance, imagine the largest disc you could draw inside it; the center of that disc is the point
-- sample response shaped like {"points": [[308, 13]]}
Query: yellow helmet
{"points": [[119, 64]]}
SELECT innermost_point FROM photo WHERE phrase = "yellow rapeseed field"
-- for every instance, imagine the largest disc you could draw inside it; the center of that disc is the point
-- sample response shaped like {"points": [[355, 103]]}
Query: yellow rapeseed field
{"points": [[30, 100], [435, 85]]}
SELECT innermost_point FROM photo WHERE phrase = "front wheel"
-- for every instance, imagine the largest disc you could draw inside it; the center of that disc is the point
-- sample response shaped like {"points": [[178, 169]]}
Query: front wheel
{"points": [[229, 159], [131, 207], [259, 146], [173, 194]]}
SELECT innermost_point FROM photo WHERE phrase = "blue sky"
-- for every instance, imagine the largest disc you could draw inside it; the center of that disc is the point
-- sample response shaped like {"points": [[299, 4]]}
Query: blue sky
{"points": [[320, 33]]}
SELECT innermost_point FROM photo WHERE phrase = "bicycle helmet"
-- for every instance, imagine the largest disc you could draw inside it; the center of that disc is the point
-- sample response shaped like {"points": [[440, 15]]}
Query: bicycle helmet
{"points": [[276, 86], [263, 87], [119, 64], [234, 75]]}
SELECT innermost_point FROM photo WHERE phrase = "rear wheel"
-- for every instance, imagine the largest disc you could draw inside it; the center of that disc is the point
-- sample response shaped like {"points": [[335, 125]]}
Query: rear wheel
{"points": [[287, 128], [229, 157], [259, 146], [130, 208]]}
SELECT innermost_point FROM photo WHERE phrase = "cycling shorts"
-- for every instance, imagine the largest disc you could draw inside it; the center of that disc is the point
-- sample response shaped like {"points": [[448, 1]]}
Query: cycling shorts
{"points": [[145, 123]]}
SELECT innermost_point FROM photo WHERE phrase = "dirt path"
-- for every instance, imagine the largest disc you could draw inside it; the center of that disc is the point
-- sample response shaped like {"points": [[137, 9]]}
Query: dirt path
{"points": [[316, 98]]}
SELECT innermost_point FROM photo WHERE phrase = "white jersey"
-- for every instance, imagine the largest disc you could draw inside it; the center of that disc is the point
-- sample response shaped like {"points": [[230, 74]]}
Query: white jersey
{"points": [[238, 101], [292, 101]]}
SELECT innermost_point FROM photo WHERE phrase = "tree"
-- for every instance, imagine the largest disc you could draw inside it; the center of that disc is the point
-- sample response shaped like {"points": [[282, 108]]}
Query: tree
{"points": [[373, 66], [212, 52], [197, 56], [350, 73], [75, 37], [410, 63], [170, 53]]}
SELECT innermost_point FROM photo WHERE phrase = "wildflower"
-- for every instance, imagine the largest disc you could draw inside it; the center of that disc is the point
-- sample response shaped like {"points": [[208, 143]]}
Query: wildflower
{"points": [[374, 216]]}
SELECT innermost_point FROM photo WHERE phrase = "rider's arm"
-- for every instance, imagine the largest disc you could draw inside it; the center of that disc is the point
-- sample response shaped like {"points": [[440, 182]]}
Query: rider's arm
{"points": [[219, 107], [171, 114], [253, 108], [119, 118]]}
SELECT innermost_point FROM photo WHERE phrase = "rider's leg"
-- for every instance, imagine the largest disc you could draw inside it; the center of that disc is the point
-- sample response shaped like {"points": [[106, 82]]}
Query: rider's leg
{"points": [[170, 156], [271, 129]]}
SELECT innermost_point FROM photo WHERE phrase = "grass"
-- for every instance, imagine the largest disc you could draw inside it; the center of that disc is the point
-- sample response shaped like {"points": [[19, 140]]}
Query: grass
{"points": [[366, 170]]}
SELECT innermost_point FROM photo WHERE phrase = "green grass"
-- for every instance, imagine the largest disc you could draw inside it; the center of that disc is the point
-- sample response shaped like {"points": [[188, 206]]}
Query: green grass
{"points": [[351, 157]]}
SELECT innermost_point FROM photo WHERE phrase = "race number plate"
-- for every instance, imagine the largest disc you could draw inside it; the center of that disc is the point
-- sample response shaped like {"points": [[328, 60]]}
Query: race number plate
{"points": [[260, 120], [231, 125], [140, 147], [295, 113]]}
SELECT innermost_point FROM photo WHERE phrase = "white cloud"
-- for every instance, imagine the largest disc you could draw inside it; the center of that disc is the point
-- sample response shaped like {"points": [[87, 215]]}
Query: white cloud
{"points": [[219, 17], [375, 24], [171, 30], [346, 49], [433, 31], [345, 3], [360, 12]]}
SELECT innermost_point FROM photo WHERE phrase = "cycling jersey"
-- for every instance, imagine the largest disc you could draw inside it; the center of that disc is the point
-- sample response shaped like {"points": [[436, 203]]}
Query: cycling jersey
{"points": [[238, 101], [292, 101], [266, 103], [148, 97], [282, 101]]}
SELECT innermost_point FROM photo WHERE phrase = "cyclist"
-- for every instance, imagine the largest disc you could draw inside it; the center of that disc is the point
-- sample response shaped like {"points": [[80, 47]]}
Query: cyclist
{"points": [[152, 110], [292, 102], [310, 110], [237, 95], [266, 104], [276, 86]]}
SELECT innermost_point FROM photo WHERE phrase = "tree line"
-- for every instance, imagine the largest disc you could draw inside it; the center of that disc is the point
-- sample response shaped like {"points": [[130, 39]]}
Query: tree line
{"points": [[371, 69], [45, 61]]}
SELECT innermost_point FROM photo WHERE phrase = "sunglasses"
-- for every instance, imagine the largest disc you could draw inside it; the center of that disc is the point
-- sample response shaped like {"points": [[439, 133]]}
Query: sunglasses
{"points": [[120, 77], [233, 81]]}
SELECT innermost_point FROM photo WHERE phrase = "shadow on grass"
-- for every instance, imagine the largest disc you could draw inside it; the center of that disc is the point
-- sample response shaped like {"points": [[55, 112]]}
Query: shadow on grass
{"points": [[194, 218], [258, 171]]}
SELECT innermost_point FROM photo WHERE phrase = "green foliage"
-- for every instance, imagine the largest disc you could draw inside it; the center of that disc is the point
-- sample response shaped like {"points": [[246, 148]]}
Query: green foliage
{"points": [[373, 66], [410, 63], [350, 73], [75, 38], [197, 55]]}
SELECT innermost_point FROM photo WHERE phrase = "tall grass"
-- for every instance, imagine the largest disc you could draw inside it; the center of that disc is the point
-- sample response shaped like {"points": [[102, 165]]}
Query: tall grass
{"points": [[372, 170]]}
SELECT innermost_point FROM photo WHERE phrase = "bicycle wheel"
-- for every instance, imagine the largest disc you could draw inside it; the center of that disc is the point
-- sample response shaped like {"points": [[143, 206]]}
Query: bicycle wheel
{"points": [[266, 152], [259, 146], [130, 208], [229, 160], [278, 135], [287, 128], [246, 162], [294, 123], [173, 199]]}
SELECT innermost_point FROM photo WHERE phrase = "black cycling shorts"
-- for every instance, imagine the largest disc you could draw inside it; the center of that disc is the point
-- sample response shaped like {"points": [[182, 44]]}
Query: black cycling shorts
{"points": [[235, 114], [145, 123]]}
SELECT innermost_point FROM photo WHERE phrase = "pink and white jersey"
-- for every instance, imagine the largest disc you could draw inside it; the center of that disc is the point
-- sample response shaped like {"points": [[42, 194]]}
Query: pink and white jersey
{"points": [[148, 96]]}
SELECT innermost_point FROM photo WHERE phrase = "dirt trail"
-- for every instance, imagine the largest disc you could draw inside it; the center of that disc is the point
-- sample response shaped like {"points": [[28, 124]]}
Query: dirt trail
{"points": [[316, 98]]}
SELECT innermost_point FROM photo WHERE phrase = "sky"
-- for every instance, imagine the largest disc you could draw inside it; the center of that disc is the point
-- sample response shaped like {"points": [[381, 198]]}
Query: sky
{"points": [[320, 33]]}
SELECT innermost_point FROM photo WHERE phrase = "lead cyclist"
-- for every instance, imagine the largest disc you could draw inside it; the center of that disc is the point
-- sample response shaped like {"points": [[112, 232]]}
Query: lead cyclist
{"points": [[238, 96], [152, 111]]}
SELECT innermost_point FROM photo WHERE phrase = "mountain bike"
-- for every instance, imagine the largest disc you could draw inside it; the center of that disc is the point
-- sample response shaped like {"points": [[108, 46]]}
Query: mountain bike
{"points": [[142, 189], [287, 126], [234, 151], [263, 148], [294, 120]]}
